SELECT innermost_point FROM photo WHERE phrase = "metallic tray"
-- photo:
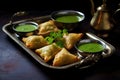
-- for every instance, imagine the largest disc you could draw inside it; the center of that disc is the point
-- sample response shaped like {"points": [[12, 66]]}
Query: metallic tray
{"points": [[84, 63]]}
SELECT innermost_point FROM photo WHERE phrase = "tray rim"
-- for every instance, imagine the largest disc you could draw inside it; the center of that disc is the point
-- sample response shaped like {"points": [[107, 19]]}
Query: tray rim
{"points": [[38, 59]]}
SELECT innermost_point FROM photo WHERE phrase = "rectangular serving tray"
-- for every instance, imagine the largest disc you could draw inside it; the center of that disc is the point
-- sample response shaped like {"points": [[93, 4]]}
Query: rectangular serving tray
{"points": [[7, 28]]}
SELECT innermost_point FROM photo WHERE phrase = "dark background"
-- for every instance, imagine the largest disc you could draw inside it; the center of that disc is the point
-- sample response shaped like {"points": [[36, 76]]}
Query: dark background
{"points": [[11, 6]]}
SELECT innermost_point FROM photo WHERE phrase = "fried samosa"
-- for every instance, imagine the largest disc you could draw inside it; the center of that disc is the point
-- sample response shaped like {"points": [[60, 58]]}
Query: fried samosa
{"points": [[48, 52], [34, 41], [46, 27], [64, 57], [70, 39]]}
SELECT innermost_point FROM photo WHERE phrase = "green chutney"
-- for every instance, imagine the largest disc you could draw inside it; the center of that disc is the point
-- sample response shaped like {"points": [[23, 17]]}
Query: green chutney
{"points": [[69, 18], [91, 47], [25, 28]]}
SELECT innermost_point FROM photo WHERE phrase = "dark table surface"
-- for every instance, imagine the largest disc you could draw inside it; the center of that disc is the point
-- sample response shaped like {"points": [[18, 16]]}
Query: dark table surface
{"points": [[17, 64]]}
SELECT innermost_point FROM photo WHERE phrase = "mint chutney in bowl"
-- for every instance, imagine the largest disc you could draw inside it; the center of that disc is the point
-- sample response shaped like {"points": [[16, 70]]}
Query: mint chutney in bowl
{"points": [[25, 28], [90, 46], [67, 19]]}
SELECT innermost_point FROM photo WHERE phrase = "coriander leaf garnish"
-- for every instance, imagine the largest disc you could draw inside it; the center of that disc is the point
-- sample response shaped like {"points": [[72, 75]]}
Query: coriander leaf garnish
{"points": [[57, 37], [49, 39], [65, 31], [60, 43]]}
